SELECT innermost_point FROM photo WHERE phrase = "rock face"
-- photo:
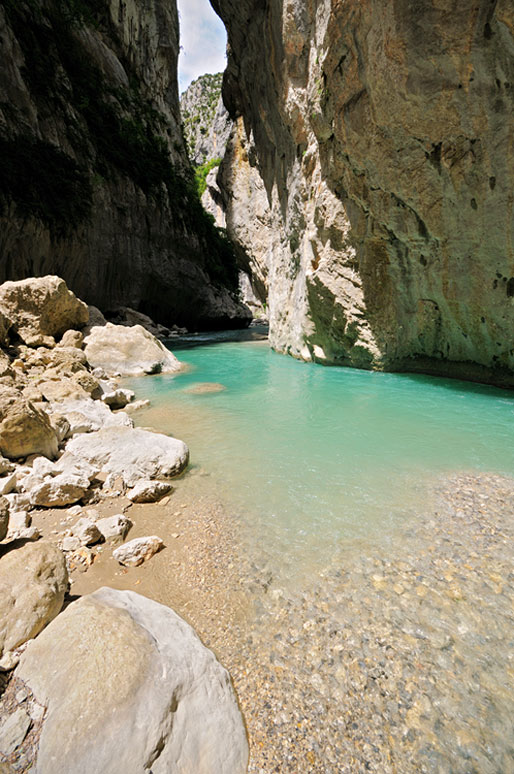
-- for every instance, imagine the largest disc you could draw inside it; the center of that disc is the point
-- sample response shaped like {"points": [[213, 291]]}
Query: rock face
{"points": [[24, 429], [382, 135], [95, 183], [133, 454], [205, 119], [128, 351], [41, 306], [33, 581], [129, 687]]}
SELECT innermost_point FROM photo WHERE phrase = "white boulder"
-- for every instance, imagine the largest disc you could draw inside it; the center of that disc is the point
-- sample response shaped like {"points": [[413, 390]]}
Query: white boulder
{"points": [[129, 687], [114, 527], [128, 351], [63, 489], [134, 454], [86, 531]]}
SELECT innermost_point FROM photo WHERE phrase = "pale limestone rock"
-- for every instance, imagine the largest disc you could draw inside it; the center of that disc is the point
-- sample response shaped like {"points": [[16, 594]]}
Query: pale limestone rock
{"points": [[61, 426], [8, 483], [63, 489], [40, 308], [72, 338], [24, 429], [27, 533], [137, 405], [19, 520], [118, 399], [138, 550], [149, 491], [113, 527], [72, 465], [33, 581], [13, 730], [126, 351], [85, 416], [86, 531], [129, 687], [62, 390], [70, 543], [134, 454]]}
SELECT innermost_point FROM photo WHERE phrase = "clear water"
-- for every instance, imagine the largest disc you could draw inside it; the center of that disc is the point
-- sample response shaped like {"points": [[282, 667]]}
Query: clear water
{"points": [[311, 457]]}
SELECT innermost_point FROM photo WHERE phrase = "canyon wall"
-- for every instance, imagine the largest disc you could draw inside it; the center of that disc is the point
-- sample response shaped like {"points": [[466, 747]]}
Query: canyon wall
{"points": [[370, 178], [95, 183]]}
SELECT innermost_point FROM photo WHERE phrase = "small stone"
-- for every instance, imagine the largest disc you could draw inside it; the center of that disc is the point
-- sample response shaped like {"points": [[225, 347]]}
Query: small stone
{"points": [[30, 533], [114, 526], [70, 543], [86, 531], [19, 520], [13, 731], [149, 491], [136, 551]]}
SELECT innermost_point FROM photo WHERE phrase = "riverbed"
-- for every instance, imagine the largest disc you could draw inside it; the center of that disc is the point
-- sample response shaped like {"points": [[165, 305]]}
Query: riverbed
{"points": [[367, 522]]}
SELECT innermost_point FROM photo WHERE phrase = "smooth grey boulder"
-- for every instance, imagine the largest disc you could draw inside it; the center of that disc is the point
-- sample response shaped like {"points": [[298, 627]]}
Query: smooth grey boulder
{"points": [[129, 687], [33, 581], [133, 454]]}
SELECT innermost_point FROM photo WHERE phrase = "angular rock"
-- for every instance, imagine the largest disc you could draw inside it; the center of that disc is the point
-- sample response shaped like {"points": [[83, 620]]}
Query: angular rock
{"points": [[128, 351], [70, 543], [134, 454], [137, 551], [113, 527], [85, 416], [24, 429], [149, 491], [41, 307], [33, 581], [19, 520], [137, 405], [13, 730], [118, 399], [6, 466], [63, 489], [7, 483], [86, 531], [130, 688]]}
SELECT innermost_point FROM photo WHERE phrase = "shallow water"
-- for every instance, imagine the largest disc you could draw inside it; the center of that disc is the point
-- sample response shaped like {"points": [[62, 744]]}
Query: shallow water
{"points": [[312, 457], [377, 557]]}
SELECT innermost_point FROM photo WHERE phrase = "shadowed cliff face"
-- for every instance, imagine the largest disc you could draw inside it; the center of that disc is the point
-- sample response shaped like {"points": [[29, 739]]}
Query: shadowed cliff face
{"points": [[95, 184], [384, 139]]}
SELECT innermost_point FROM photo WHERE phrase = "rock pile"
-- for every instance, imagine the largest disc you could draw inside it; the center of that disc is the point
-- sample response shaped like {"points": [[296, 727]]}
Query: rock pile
{"points": [[66, 442]]}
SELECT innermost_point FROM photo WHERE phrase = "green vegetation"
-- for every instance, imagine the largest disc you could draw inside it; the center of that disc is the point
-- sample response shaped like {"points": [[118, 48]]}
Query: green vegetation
{"points": [[198, 105], [201, 173]]}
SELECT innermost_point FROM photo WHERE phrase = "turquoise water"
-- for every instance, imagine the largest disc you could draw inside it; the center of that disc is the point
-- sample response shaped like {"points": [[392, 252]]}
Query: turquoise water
{"points": [[310, 457]]}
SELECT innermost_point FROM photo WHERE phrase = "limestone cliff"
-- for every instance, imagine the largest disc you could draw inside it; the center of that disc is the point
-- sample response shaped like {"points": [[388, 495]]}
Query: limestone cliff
{"points": [[383, 137], [95, 184], [206, 122]]}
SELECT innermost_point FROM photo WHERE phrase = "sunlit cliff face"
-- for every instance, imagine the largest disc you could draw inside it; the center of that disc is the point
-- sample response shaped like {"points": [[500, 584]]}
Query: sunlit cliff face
{"points": [[383, 139]]}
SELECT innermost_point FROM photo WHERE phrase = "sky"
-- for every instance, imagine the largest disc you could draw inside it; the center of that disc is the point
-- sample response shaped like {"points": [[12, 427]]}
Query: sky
{"points": [[202, 41]]}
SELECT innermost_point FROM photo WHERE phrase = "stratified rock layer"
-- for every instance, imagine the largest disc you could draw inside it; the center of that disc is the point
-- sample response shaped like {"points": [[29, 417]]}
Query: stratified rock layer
{"points": [[383, 136]]}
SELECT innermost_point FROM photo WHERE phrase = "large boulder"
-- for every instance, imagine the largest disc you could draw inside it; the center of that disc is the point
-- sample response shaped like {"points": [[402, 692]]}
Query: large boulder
{"points": [[134, 454], [33, 581], [41, 307], [128, 351], [24, 429], [87, 415], [128, 686]]}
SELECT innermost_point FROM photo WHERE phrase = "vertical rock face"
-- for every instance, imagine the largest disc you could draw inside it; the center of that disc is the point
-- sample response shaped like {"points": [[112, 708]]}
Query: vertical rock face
{"points": [[205, 119], [383, 136], [95, 184]]}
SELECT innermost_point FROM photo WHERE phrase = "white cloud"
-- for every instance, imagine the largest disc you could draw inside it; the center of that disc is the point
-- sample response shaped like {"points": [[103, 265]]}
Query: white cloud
{"points": [[202, 39]]}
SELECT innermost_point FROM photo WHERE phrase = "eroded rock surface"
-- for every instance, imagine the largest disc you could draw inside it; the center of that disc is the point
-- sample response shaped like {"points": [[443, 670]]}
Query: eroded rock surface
{"points": [[33, 581], [382, 135], [128, 351], [128, 686]]}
